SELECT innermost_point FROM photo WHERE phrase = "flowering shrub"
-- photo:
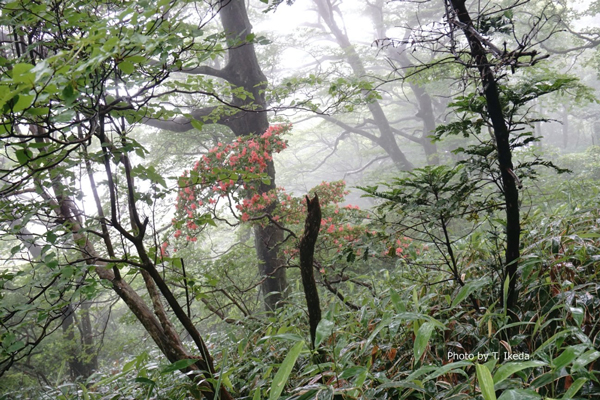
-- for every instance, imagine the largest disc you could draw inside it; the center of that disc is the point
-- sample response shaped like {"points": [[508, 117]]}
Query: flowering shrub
{"points": [[230, 177], [230, 172]]}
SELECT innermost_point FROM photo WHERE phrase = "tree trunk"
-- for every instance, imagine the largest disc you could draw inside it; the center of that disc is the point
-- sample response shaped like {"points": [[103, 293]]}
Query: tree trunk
{"points": [[501, 135], [81, 354], [83, 360], [312, 226], [153, 320], [243, 70]]}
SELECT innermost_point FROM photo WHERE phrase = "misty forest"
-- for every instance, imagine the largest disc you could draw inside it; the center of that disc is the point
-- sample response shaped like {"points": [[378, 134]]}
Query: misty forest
{"points": [[300, 199]]}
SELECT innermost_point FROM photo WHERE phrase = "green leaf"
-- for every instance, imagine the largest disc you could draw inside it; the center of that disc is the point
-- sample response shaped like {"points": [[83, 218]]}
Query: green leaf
{"points": [[574, 388], [510, 368], [520, 394], [585, 359], [324, 329], [462, 294], [577, 314], [136, 59], [126, 67], [51, 237], [565, 358], [177, 365], [146, 381], [385, 321], [16, 346], [285, 336], [352, 372], [284, 371], [23, 155], [397, 301], [422, 339], [197, 124], [486, 383], [453, 367], [23, 101], [20, 69]]}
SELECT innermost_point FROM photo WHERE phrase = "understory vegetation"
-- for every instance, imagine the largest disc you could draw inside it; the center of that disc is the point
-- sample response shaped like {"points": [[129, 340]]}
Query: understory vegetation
{"points": [[396, 327]]}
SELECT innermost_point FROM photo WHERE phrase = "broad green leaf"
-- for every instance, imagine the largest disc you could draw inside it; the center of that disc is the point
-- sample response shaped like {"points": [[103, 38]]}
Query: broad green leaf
{"points": [[20, 69], [285, 336], [422, 339], [545, 379], [16, 346], [462, 294], [585, 359], [38, 111], [178, 365], [324, 329], [197, 124], [385, 321], [520, 394], [146, 381], [577, 314], [510, 368], [136, 59], [23, 155], [352, 372], [565, 358], [453, 367], [574, 388], [486, 383], [284, 371], [126, 67], [23, 101], [397, 301]]}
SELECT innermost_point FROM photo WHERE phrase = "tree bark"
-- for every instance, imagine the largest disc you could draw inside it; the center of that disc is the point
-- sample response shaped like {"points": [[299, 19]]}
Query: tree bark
{"points": [[243, 70], [312, 225], [501, 135]]}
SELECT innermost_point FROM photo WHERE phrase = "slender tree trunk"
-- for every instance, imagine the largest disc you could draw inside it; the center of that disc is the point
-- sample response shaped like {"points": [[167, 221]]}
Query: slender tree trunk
{"points": [[501, 134], [81, 353], [312, 226]]}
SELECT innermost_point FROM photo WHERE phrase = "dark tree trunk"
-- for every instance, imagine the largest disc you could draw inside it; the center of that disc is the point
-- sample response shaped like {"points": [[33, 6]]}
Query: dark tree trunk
{"points": [[243, 70], [501, 134], [83, 360], [428, 118], [81, 353], [153, 319], [312, 225]]}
